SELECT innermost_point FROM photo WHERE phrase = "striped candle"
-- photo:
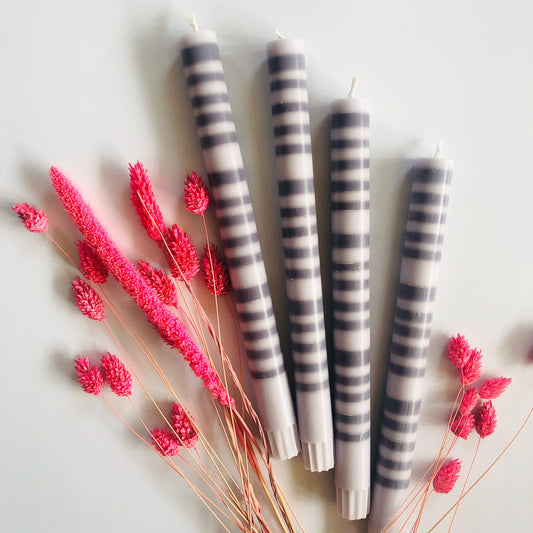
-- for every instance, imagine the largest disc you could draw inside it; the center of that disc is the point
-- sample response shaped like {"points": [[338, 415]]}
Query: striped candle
{"points": [[223, 161], [422, 248], [350, 225], [290, 115]]}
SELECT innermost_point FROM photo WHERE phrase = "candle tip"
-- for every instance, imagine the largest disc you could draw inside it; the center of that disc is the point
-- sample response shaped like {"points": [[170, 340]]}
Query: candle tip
{"points": [[438, 150], [192, 21], [352, 88], [278, 34]]}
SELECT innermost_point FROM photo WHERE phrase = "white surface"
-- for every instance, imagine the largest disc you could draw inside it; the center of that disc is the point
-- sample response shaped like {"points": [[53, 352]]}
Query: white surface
{"points": [[90, 86]]}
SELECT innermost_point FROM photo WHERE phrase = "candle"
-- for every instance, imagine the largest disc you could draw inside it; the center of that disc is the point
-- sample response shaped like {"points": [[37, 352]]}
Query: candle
{"points": [[223, 161], [290, 116], [350, 224], [422, 248]]}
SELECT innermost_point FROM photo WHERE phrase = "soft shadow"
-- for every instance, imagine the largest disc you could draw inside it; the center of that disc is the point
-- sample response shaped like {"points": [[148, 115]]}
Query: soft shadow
{"points": [[517, 345]]}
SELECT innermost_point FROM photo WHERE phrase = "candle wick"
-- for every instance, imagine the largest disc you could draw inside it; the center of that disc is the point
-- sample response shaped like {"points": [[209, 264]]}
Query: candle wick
{"points": [[352, 88], [438, 151], [278, 34], [192, 21]]}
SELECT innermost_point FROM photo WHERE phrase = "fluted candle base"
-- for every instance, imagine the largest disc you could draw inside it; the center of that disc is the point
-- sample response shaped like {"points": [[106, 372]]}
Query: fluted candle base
{"points": [[353, 504], [318, 456], [284, 444]]}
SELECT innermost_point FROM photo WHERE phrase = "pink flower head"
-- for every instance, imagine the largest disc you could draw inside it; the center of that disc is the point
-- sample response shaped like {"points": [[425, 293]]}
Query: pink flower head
{"points": [[88, 300], [461, 426], [91, 379], [164, 442], [117, 375], [469, 401], [486, 420], [458, 351], [181, 255], [183, 424], [90, 264], [472, 369], [196, 194], [143, 199], [215, 271], [447, 476], [34, 219], [162, 284], [492, 388]]}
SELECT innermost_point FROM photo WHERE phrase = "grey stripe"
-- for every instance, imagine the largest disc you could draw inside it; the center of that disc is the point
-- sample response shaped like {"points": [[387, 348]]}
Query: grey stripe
{"points": [[206, 99], [278, 85], [350, 284], [349, 240], [251, 294], [299, 253], [402, 407], [227, 177], [352, 419], [352, 397], [425, 255], [220, 138], [290, 129], [293, 212], [290, 149], [258, 355], [429, 198], [305, 307], [350, 267], [302, 273], [348, 437], [204, 119], [349, 143], [224, 203], [395, 465], [396, 446], [395, 425], [350, 307], [311, 387], [255, 316], [419, 294], [290, 186], [418, 236], [422, 216], [235, 242], [352, 380], [431, 175], [310, 367], [348, 120], [350, 206], [306, 347], [286, 62], [351, 358], [413, 316], [260, 334], [415, 352], [349, 186], [350, 325], [200, 52], [300, 231], [234, 220], [287, 107], [265, 374], [412, 331], [244, 260], [406, 371], [306, 328], [195, 79], [349, 164], [391, 483]]}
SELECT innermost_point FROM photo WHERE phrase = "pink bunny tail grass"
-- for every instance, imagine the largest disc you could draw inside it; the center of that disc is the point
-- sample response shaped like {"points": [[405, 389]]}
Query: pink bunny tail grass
{"points": [[215, 271], [143, 199], [447, 476], [196, 195], [160, 283], [458, 351], [164, 442], [91, 379], [462, 426], [88, 300], [91, 266], [117, 375], [183, 424], [469, 401], [471, 371], [171, 329], [181, 254], [492, 388], [34, 219], [486, 420]]}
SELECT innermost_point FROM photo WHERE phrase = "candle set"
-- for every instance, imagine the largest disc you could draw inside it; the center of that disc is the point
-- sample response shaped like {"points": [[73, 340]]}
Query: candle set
{"points": [[349, 449]]}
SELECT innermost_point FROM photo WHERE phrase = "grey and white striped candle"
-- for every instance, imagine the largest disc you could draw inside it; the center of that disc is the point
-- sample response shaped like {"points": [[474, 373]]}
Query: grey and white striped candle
{"points": [[222, 156], [422, 249], [290, 116], [350, 226]]}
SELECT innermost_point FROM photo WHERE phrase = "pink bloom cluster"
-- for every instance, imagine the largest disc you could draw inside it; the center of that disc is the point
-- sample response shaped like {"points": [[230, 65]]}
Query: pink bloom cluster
{"points": [[114, 372], [88, 300], [183, 433], [161, 283], [34, 219], [215, 271], [90, 378], [196, 195], [181, 254], [447, 476], [91, 266]]}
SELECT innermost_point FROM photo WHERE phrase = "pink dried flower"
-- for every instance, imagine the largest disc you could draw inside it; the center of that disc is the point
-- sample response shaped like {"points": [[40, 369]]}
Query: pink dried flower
{"points": [[458, 351], [88, 300], [492, 388], [117, 375], [34, 219], [469, 401], [472, 369], [486, 419], [164, 442], [461, 426], [447, 476], [196, 194], [143, 199], [161, 283], [90, 264], [91, 379], [183, 424], [215, 271], [181, 254]]}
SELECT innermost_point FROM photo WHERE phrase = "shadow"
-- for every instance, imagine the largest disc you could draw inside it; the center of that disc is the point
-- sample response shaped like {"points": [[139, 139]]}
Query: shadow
{"points": [[517, 345]]}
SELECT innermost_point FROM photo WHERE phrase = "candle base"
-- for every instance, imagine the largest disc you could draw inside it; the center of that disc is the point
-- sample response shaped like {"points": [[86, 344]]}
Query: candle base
{"points": [[353, 504], [284, 443], [318, 456]]}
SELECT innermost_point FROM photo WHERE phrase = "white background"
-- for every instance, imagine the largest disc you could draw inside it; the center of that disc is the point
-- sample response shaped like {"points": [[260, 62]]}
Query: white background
{"points": [[91, 86]]}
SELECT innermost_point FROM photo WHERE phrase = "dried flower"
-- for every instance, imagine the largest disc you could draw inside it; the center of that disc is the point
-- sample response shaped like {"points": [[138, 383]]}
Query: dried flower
{"points": [[215, 271], [164, 442], [469, 401], [161, 283], [183, 424], [91, 379], [91, 266], [143, 199], [447, 476], [181, 255], [117, 375], [492, 388], [196, 194], [472, 369], [461, 426], [34, 219], [88, 300], [486, 419], [458, 351]]}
